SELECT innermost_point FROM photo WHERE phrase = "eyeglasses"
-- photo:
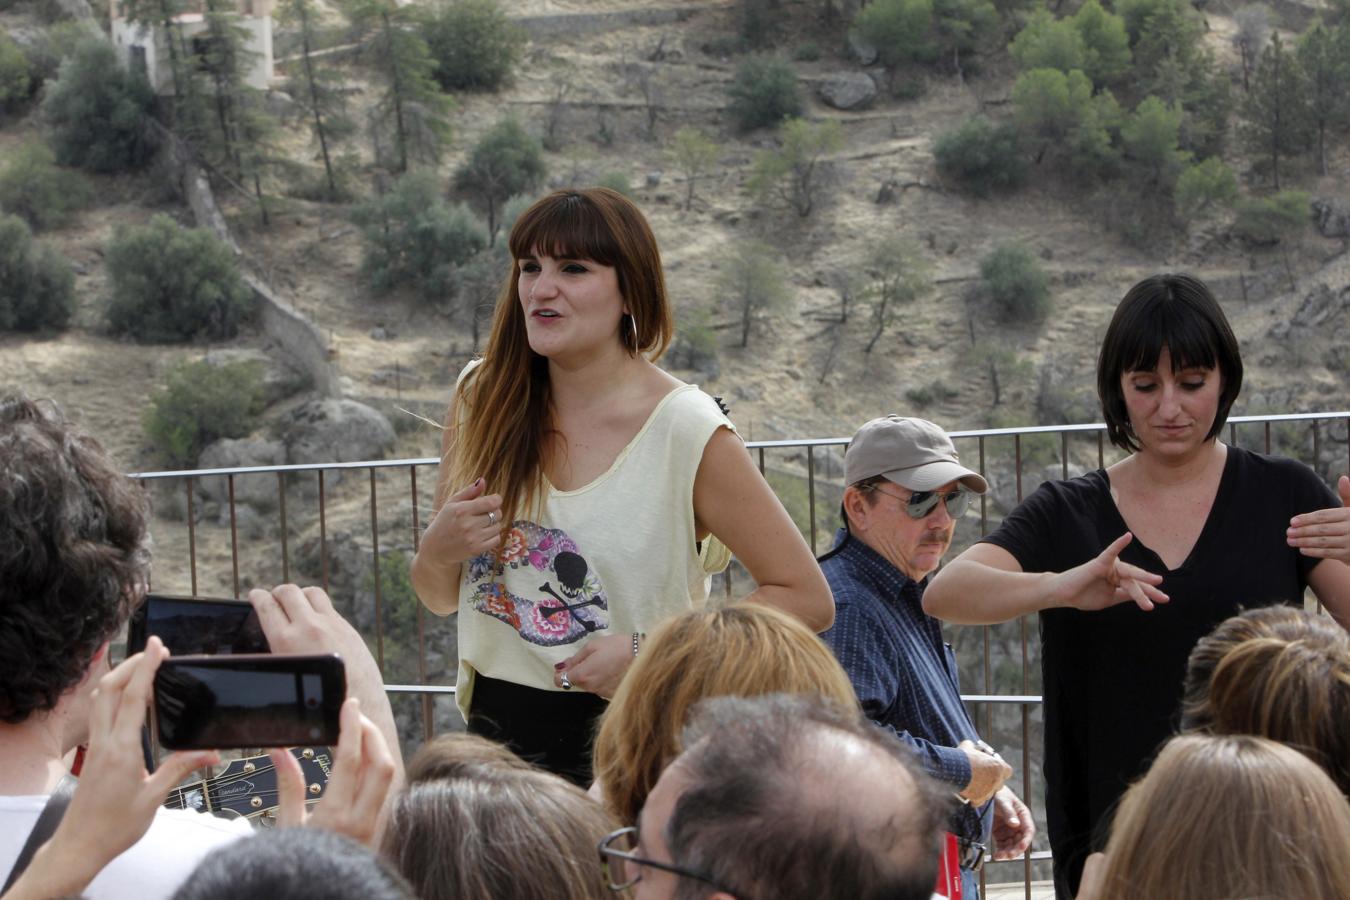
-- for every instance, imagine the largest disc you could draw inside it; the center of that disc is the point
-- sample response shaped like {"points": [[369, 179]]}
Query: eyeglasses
{"points": [[921, 503], [623, 867]]}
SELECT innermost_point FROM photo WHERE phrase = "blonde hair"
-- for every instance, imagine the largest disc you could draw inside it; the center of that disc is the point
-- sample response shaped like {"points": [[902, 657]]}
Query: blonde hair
{"points": [[1228, 817], [478, 823], [505, 403], [744, 650]]}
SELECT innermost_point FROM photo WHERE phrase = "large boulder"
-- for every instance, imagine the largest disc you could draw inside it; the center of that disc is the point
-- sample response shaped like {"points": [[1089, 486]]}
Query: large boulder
{"points": [[848, 90], [1332, 218], [259, 491], [337, 430]]}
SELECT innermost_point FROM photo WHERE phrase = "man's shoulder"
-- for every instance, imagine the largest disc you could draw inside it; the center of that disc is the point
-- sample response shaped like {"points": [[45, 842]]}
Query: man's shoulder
{"points": [[161, 860]]}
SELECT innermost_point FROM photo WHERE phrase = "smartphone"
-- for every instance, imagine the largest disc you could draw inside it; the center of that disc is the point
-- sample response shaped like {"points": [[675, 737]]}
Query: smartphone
{"points": [[248, 700], [196, 625]]}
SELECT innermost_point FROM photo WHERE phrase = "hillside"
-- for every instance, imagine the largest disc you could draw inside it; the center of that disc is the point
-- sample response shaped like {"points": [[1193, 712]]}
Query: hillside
{"points": [[803, 373]]}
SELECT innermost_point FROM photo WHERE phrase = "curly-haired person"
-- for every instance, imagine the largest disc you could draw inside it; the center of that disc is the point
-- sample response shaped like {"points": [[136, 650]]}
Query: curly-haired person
{"points": [[73, 564]]}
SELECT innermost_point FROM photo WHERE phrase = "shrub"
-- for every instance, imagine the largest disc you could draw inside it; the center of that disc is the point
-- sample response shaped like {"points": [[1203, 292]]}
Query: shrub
{"points": [[764, 92], [100, 112], [1049, 43], [796, 173], [201, 403], [171, 283], [37, 288], [506, 161], [1016, 283], [616, 181], [473, 44], [1269, 220], [415, 238], [898, 29], [695, 345], [1204, 186], [16, 83], [1106, 44], [806, 52], [935, 392], [981, 157], [33, 187]]}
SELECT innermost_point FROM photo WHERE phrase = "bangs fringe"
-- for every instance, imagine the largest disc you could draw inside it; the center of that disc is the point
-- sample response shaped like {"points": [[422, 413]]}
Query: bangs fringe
{"points": [[569, 228]]}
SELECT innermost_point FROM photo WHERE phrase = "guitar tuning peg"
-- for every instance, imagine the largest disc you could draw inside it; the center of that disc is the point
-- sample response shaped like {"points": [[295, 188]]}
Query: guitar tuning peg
{"points": [[315, 788]]}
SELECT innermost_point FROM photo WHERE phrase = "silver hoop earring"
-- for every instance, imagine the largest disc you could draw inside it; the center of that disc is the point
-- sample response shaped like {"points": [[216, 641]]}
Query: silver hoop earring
{"points": [[632, 327]]}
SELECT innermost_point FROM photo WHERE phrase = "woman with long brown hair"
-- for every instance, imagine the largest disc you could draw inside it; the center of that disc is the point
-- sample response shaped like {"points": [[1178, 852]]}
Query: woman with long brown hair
{"points": [[584, 493]]}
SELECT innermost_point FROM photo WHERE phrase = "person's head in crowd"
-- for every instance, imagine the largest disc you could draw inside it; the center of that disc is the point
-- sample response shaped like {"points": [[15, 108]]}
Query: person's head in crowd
{"points": [[73, 559], [1280, 673], [475, 825], [295, 864], [744, 649], [906, 491], [783, 796], [460, 755], [1175, 315], [1228, 816]]}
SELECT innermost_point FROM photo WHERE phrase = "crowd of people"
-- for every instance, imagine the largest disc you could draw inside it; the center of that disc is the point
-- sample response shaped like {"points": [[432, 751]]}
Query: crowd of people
{"points": [[807, 741]]}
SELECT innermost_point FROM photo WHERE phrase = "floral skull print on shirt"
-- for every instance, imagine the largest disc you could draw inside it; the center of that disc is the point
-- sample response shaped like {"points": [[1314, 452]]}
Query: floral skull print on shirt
{"points": [[570, 603]]}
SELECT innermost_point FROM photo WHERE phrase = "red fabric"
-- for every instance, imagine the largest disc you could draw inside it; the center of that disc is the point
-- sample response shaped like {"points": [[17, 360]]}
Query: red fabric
{"points": [[949, 869]]}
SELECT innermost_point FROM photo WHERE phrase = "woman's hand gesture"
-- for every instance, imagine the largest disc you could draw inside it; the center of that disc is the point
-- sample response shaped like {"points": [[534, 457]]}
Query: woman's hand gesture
{"points": [[1105, 581], [1324, 534], [467, 524], [599, 666]]}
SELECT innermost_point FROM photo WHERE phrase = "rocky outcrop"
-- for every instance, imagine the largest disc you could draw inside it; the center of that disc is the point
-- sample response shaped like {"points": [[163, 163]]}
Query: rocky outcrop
{"points": [[848, 90], [332, 430]]}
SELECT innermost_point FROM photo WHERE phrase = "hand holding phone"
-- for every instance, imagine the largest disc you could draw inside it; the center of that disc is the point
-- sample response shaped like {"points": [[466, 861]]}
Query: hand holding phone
{"points": [[249, 700], [363, 773], [197, 625]]}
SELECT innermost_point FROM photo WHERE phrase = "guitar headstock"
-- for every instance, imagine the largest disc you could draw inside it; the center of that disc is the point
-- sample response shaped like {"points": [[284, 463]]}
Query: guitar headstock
{"points": [[248, 787]]}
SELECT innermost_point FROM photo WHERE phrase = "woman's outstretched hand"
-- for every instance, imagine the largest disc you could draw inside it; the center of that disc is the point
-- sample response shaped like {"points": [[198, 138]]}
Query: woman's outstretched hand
{"points": [[1324, 534], [1105, 581], [468, 523]]}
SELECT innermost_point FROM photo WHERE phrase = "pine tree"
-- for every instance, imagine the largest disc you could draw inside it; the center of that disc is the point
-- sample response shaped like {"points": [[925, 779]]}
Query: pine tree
{"points": [[898, 275], [315, 90], [412, 102], [1324, 55], [1277, 121]]}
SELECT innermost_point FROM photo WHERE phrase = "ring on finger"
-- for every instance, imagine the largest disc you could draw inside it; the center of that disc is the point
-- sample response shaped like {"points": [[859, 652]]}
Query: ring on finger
{"points": [[492, 517], [566, 682]]}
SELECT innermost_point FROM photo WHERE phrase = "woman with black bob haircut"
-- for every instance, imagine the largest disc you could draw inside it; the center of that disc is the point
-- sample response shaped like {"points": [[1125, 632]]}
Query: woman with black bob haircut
{"points": [[585, 494], [1186, 527]]}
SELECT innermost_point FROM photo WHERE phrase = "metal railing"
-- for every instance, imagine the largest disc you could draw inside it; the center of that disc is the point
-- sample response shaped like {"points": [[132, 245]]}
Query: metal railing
{"points": [[806, 474]]}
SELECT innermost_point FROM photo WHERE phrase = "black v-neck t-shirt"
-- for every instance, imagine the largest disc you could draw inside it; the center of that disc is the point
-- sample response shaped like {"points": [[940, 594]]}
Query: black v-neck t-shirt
{"points": [[1113, 678]]}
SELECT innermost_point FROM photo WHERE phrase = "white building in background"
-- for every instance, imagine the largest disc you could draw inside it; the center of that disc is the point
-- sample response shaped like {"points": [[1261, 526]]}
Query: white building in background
{"points": [[145, 47]]}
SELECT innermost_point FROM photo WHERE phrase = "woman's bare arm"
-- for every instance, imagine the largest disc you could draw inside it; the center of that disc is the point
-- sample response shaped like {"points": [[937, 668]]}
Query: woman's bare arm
{"points": [[463, 525], [986, 585], [734, 502]]}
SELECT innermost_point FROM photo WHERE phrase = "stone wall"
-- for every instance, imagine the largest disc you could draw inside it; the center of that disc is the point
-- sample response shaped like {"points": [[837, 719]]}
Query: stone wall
{"points": [[303, 343]]}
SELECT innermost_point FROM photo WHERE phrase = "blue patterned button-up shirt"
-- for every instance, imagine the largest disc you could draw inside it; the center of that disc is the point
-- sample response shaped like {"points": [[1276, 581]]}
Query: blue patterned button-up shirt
{"points": [[902, 671]]}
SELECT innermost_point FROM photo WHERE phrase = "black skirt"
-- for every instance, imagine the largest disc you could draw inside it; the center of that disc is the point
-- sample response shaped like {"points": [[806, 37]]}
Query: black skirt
{"points": [[555, 730]]}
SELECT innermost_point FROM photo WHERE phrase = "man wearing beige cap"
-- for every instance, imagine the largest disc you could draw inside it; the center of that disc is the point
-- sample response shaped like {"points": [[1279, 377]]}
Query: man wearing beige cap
{"points": [[905, 491]]}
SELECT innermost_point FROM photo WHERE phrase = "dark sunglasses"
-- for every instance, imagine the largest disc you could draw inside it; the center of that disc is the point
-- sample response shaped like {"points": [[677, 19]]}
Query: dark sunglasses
{"points": [[922, 503]]}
